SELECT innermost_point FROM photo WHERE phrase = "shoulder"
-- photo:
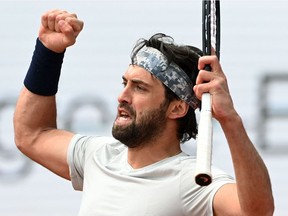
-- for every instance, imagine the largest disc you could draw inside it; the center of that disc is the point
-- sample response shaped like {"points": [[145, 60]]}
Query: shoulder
{"points": [[194, 197], [87, 140], [88, 144], [188, 167]]}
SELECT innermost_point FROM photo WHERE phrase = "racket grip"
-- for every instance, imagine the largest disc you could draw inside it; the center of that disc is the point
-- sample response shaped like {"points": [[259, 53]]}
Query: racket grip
{"points": [[203, 175]]}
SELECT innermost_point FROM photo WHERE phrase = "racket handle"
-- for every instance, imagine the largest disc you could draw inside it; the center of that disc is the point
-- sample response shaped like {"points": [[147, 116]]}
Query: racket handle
{"points": [[203, 175]]}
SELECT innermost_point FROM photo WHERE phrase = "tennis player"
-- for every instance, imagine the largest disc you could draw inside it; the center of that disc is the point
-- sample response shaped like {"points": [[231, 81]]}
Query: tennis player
{"points": [[141, 170]]}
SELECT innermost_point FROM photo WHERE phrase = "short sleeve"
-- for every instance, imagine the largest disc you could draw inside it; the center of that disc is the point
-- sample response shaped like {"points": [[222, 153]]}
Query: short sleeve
{"points": [[76, 160], [89, 152], [198, 200]]}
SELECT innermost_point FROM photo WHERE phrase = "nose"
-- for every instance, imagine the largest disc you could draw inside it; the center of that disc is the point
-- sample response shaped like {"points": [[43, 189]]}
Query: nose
{"points": [[125, 96]]}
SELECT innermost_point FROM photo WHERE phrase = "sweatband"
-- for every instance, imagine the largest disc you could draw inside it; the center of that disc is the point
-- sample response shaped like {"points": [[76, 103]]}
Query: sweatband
{"points": [[43, 74], [170, 74]]}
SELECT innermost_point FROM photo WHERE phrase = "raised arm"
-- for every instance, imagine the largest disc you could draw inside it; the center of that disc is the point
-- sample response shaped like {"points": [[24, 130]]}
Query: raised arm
{"points": [[36, 133], [252, 194]]}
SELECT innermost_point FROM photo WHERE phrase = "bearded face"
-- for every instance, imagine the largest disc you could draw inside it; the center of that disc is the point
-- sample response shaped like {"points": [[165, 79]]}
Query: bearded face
{"points": [[137, 130]]}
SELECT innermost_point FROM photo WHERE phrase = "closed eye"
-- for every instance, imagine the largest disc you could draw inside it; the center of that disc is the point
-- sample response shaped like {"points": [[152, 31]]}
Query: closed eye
{"points": [[140, 88]]}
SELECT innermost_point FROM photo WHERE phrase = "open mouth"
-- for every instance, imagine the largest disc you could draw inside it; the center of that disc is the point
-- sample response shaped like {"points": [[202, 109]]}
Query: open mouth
{"points": [[124, 115]]}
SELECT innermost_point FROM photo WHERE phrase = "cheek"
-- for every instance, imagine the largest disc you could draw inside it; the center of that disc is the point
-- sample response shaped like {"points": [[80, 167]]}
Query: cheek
{"points": [[141, 109], [146, 104], [141, 103]]}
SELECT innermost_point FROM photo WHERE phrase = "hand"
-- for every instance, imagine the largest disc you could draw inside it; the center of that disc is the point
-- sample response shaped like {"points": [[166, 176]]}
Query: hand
{"points": [[59, 29], [215, 83]]}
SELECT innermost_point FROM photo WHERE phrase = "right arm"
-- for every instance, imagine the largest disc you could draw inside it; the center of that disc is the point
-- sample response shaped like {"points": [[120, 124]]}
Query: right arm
{"points": [[36, 133]]}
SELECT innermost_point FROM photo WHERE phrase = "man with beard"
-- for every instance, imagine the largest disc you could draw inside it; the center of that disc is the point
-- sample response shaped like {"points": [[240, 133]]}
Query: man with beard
{"points": [[142, 170]]}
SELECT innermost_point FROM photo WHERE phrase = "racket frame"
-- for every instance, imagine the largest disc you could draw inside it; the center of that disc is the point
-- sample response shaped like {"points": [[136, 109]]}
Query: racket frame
{"points": [[203, 175]]}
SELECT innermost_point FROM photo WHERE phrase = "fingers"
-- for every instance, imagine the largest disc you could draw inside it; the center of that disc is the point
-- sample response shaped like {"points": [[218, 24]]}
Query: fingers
{"points": [[76, 24], [207, 81], [209, 60], [62, 21], [216, 70], [48, 19], [59, 29]]}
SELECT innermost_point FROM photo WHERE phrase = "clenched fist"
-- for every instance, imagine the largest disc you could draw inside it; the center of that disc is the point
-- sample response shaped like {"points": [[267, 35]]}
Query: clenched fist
{"points": [[59, 29]]}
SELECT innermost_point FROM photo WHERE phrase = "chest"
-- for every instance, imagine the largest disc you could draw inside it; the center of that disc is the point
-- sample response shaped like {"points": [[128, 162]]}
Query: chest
{"points": [[110, 193]]}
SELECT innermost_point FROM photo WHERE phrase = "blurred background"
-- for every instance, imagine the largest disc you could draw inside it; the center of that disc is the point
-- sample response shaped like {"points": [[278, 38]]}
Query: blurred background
{"points": [[253, 55]]}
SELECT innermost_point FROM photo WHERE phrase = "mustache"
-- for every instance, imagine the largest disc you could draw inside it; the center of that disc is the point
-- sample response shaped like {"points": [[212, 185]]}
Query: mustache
{"points": [[127, 108]]}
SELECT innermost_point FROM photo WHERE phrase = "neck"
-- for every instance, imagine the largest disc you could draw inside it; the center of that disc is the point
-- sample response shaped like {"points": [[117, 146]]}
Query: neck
{"points": [[151, 153]]}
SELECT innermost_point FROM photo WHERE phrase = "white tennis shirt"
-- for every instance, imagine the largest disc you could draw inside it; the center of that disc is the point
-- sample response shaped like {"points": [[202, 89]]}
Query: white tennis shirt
{"points": [[99, 168]]}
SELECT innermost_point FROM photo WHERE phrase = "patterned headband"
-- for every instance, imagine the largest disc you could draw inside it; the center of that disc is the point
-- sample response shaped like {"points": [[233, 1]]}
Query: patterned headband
{"points": [[171, 75]]}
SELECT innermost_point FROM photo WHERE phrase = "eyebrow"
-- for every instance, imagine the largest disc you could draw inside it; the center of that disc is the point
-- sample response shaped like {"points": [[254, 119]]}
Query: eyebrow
{"points": [[137, 81]]}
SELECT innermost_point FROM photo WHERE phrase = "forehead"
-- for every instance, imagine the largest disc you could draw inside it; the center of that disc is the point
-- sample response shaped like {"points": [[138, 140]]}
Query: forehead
{"points": [[139, 73]]}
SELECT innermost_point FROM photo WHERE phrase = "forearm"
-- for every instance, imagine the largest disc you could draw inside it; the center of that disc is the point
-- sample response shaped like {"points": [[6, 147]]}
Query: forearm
{"points": [[253, 182], [36, 107]]}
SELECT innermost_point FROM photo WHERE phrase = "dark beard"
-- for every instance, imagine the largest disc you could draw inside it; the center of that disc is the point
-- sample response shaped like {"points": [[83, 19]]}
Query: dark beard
{"points": [[149, 127]]}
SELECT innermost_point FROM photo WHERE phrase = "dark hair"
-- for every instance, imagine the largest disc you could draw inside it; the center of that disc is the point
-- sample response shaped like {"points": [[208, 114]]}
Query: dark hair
{"points": [[186, 57]]}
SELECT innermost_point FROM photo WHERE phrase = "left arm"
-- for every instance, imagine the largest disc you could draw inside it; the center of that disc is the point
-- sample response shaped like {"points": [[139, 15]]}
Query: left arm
{"points": [[252, 193]]}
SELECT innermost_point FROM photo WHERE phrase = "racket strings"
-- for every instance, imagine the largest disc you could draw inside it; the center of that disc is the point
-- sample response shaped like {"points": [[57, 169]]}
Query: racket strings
{"points": [[211, 30], [213, 25]]}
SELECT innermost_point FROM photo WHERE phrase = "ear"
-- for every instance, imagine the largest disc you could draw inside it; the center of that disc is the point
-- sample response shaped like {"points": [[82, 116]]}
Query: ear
{"points": [[177, 109]]}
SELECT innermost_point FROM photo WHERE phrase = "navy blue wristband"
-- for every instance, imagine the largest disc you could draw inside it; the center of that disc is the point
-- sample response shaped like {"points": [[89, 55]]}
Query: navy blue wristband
{"points": [[43, 74]]}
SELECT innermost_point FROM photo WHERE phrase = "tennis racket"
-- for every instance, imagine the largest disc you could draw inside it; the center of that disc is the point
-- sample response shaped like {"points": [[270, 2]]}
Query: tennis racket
{"points": [[210, 40]]}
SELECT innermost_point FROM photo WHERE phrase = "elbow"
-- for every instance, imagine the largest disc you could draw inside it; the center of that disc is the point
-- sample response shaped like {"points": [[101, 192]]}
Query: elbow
{"points": [[270, 209], [21, 142], [24, 140], [24, 136], [18, 138], [264, 210]]}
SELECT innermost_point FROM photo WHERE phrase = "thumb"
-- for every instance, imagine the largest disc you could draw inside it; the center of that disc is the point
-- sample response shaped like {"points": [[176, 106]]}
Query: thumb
{"points": [[69, 36]]}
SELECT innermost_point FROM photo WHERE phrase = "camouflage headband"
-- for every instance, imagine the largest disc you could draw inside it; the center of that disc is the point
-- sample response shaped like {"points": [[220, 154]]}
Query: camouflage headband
{"points": [[171, 75]]}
